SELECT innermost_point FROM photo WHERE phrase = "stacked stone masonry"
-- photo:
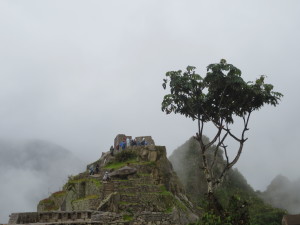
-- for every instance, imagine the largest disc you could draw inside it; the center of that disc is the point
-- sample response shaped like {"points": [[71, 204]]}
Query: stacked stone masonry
{"points": [[50, 217], [89, 217], [121, 137]]}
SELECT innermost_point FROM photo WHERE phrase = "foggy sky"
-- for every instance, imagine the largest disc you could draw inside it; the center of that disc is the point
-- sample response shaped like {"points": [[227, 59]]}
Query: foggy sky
{"points": [[77, 73]]}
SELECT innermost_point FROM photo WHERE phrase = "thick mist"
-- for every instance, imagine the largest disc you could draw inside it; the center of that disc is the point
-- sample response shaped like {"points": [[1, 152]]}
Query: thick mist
{"points": [[283, 193], [29, 171]]}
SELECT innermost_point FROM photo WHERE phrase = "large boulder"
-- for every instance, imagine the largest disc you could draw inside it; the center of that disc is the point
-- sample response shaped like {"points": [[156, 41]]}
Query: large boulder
{"points": [[123, 172]]}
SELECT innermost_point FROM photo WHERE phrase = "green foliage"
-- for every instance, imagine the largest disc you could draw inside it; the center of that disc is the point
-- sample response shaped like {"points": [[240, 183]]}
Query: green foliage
{"points": [[219, 96], [209, 218], [237, 213], [261, 213], [189, 163]]}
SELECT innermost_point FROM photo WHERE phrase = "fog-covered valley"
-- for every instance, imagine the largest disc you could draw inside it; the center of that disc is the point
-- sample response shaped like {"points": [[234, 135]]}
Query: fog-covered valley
{"points": [[29, 171]]}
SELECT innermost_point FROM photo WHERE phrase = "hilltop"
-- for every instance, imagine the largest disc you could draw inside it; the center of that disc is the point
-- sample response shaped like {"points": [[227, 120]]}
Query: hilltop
{"points": [[144, 189]]}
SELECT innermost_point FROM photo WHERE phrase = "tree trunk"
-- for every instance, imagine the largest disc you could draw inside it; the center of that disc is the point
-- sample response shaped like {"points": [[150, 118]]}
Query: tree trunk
{"points": [[213, 203]]}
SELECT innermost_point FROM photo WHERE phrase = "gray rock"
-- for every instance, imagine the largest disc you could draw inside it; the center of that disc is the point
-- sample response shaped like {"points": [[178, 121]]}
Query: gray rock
{"points": [[123, 172]]}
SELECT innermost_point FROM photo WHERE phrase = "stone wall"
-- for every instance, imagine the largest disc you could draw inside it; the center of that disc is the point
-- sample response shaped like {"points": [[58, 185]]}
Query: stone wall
{"points": [[154, 218], [148, 139], [46, 217], [91, 217], [121, 137], [88, 203]]}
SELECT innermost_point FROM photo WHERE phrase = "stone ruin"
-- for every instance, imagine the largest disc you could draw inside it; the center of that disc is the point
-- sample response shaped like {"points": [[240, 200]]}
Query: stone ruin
{"points": [[121, 137], [143, 190]]}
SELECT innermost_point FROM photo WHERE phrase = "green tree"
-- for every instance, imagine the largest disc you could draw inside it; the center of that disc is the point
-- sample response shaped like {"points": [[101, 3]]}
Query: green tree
{"points": [[219, 98]]}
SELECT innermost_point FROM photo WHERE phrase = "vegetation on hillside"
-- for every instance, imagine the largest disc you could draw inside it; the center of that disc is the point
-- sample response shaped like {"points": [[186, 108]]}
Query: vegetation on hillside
{"points": [[237, 197]]}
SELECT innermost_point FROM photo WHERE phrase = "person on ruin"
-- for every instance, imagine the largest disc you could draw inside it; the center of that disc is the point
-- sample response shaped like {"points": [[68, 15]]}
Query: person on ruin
{"points": [[111, 150], [97, 168], [106, 177], [127, 142], [120, 145], [143, 142], [133, 142], [91, 168], [123, 144]]}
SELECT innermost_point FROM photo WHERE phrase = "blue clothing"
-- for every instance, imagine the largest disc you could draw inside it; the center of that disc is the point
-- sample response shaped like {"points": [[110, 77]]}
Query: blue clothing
{"points": [[122, 145]]}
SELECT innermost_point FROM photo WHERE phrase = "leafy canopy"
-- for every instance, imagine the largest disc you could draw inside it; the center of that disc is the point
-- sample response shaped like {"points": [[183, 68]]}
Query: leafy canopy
{"points": [[217, 97]]}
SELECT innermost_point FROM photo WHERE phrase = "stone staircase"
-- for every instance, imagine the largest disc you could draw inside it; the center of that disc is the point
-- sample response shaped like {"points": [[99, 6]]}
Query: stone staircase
{"points": [[108, 188]]}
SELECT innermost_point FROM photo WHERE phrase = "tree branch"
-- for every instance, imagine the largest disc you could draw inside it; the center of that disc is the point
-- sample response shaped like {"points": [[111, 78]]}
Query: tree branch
{"points": [[236, 158], [216, 149]]}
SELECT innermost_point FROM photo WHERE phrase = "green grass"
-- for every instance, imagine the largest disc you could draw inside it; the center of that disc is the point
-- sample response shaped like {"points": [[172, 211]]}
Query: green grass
{"points": [[88, 179], [118, 165], [162, 188], [169, 210], [86, 198], [165, 193], [59, 194], [96, 182], [48, 204], [47, 201], [127, 217]]}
